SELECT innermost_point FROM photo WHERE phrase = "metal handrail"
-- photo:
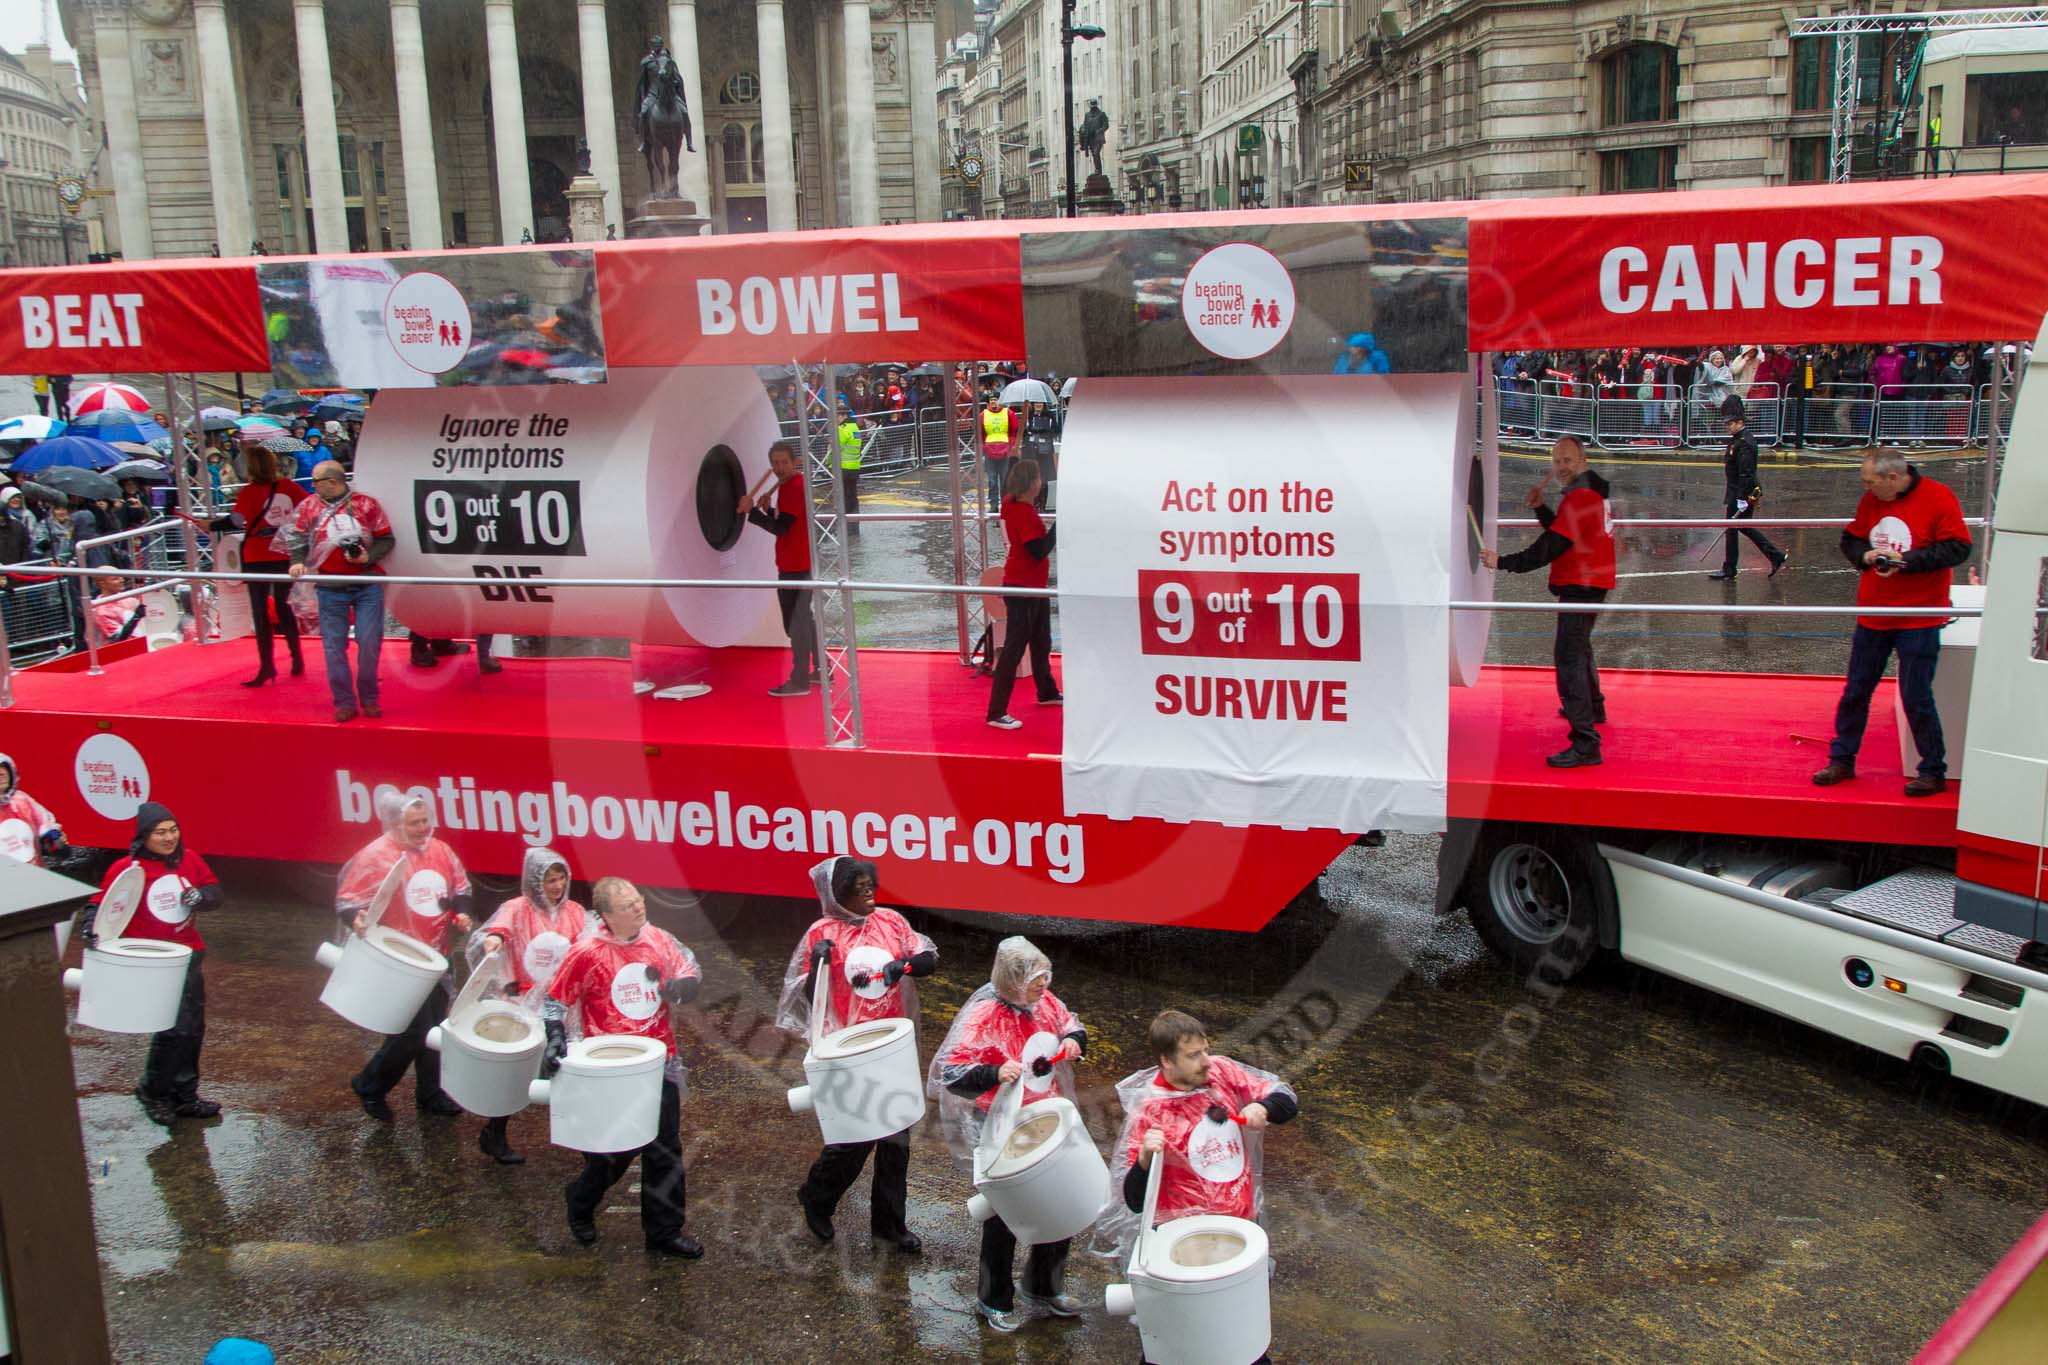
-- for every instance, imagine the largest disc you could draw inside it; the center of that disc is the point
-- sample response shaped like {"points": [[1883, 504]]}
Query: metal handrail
{"points": [[132, 533]]}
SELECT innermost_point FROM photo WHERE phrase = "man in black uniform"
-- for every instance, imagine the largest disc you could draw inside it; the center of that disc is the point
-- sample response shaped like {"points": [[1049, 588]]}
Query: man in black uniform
{"points": [[1744, 493]]}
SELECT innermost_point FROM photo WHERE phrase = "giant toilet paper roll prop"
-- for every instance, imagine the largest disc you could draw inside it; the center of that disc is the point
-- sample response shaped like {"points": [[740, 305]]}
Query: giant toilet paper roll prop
{"points": [[490, 1043], [379, 978], [1199, 1287], [607, 1096], [1475, 484], [128, 985], [639, 477], [1037, 1169], [863, 1082]]}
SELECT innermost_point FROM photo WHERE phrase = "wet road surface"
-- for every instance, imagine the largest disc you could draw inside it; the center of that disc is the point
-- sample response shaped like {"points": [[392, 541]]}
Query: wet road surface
{"points": [[1629, 1169]]}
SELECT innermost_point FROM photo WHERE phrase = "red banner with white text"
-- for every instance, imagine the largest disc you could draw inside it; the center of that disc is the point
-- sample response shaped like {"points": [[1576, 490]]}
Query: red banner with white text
{"points": [[166, 316]]}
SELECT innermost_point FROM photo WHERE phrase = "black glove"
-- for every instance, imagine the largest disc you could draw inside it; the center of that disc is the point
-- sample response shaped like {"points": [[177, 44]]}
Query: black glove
{"points": [[821, 953], [557, 1048], [1041, 1066], [893, 973], [860, 980], [444, 904], [85, 923], [653, 977], [193, 898]]}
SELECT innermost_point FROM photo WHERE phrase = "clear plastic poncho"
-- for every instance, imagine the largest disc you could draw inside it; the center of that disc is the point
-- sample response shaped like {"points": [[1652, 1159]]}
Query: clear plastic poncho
{"points": [[862, 945], [996, 1026], [430, 873], [538, 933], [1212, 1165], [604, 985]]}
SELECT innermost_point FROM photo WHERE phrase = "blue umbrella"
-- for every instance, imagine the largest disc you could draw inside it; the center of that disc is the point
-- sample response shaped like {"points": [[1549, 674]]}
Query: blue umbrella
{"points": [[76, 452], [340, 407], [110, 425], [30, 428]]}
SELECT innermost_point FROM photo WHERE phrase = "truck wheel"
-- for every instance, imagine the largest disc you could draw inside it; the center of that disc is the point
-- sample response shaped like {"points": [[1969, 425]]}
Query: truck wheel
{"points": [[1536, 895]]}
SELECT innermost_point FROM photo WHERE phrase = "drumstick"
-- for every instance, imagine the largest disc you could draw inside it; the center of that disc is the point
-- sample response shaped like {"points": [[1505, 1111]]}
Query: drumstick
{"points": [[1472, 520]]}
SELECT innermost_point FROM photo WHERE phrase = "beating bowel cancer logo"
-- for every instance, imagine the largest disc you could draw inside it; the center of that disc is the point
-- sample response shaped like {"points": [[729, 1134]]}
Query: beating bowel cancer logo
{"points": [[428, 322], [112, 777], [634, 992], [1238, 301]]}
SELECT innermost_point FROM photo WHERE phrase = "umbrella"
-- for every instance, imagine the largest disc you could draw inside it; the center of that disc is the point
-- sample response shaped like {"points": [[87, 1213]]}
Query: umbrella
{"points": [[149, 471], [211, 424], [284, 445], [66, 481], [926, 372], [135, 448], [111, 424], [216, 410], [1026, 391], [295, 406], [339, 410], [108, 398], [77, 452], [258, 425], [33, 427]]}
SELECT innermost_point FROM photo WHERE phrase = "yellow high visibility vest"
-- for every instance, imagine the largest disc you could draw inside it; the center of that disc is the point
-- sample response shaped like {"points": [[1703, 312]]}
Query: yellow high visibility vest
{"points": [[849, 445], [995, 424]]}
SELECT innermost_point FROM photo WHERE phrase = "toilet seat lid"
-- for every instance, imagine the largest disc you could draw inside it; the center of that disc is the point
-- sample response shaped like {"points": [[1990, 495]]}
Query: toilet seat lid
{"points": [[607, 1052], [1041, 1129], [405, 948], [856, 1039], [141, 949], [1204, 1248], [118, 906]]}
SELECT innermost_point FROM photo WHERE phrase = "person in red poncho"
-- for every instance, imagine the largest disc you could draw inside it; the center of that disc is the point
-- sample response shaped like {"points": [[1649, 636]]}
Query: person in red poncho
{"points": [[870, 955], [622, 979], [1906, 541], [177, 884], [535, 930], [28, 832], [1578, 545], [262, 509], [1013, 1030], [433, 904]]}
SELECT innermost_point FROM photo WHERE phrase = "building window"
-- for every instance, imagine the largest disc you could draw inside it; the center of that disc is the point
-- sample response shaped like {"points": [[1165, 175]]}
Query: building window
{"points": [[1641, 85], [1813, 73], [1640, 168], [2012, 107], [1807, 163], [742, 87]]}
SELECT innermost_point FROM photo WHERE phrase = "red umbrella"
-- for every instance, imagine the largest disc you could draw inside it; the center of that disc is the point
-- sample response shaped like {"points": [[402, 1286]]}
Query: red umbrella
{"points": [[109, 398]]}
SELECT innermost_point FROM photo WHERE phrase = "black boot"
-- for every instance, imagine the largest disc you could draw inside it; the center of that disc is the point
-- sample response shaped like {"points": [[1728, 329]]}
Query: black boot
{"points": [[491, 1142], [263, 675], [298, 658], [422, 654]]}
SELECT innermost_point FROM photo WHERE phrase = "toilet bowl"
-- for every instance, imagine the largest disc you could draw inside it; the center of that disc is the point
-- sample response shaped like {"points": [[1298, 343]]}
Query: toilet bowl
{"points": [[1043, 1176], [130, 985], [1199, 1287], [490, 1055], [863, 1082], [379, 979], [607, 1096]]}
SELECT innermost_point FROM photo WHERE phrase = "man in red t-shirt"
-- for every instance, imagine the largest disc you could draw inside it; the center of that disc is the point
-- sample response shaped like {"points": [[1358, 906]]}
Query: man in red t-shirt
{"points": [[788, 521], [1578, 545], [1907, 535], [623, 979]]}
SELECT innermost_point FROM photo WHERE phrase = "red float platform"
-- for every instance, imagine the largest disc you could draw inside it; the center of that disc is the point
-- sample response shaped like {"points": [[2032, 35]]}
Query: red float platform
{"points": [[725, 792]]}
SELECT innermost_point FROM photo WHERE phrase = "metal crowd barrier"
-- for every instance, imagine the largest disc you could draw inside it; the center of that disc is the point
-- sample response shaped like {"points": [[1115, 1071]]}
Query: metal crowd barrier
{"points": [[894, 441], [1926, 415], [41, 618]]}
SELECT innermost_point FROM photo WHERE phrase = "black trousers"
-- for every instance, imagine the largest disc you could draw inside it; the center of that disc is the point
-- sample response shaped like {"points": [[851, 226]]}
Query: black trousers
{"points": [[260, 597], [172, 1071], [1757, 538], [661, 1173], [800, 625], [1578, 677], [1045, 1270], [1028, 625], [849, 487], [408, 1049], [839, 1165]]}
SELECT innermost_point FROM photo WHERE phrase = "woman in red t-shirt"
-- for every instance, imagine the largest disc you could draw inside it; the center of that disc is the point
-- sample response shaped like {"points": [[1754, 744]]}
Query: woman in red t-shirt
{"points": [[1027, 620], [265, 504]]}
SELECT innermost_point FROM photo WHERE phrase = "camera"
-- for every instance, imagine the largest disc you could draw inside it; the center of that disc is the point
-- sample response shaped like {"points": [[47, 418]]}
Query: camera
{"points": [[351, 547]]}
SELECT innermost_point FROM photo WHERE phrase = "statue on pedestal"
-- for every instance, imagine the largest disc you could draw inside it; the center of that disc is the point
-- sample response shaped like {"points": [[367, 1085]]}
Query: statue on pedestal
{"points": [[663, 118], [1093, 132]]}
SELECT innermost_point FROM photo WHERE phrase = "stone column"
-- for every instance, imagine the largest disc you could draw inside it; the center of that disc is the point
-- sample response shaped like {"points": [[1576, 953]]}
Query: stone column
{"points": [[508, 123], [777, 123], [416, 129], [124, 133], [864, 198], [323, 139], [234, 222], [682, 41], [925, 140], [600, 123]]}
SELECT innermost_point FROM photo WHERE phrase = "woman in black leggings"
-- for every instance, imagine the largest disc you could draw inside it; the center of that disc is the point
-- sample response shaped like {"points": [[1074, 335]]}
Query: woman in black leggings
{"points": [[264, 504]]}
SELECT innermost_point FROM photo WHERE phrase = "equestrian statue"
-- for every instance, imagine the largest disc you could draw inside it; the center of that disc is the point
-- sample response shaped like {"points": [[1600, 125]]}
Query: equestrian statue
{"points": [[663, 119]]}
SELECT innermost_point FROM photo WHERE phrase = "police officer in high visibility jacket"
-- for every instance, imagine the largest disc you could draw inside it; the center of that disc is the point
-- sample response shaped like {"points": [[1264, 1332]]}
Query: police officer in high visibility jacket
{"points": [[850, 439], [1578, 545]]}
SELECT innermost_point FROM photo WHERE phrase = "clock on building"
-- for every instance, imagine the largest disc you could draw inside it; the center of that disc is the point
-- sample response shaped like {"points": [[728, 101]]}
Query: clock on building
{"points": [[71, 190], [970, 168]]}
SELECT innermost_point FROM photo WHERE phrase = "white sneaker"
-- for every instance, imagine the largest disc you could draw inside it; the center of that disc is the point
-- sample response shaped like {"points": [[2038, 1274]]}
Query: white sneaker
{"points": [[1007, 723], [1059, 1305], [1001, 1321]]}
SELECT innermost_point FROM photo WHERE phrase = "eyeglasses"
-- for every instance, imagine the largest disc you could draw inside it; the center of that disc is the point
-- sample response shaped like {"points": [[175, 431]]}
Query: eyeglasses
{"points": [[328, 478]]}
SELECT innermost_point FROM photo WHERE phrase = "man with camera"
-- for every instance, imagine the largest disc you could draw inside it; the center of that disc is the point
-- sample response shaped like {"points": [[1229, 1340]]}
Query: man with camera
{"points": [[1906, 538], [342, 533]]}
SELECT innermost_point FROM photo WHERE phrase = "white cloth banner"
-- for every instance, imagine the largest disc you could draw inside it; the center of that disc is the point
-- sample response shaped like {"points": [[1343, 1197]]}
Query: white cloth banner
{"points": [[1253, 583]]}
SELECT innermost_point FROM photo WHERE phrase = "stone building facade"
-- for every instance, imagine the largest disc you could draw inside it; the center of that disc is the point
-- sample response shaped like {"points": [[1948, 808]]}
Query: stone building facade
{"points": [[42, 140], [337, 125]]}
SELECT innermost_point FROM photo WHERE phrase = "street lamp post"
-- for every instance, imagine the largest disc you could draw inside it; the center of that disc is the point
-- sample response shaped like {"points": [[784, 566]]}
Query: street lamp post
{"points": [[1069, 31]]}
